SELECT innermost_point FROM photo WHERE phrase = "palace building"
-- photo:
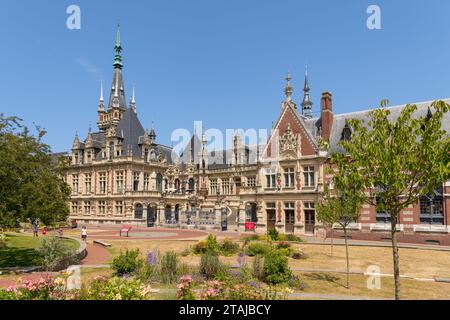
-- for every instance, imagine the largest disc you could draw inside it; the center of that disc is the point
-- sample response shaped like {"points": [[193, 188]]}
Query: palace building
{"points": [[120, 174]]}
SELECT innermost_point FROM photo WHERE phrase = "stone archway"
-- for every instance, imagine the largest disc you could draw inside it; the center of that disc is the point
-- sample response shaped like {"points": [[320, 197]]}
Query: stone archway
{"points": [[138, 211], [168, 214], [152, 215]]}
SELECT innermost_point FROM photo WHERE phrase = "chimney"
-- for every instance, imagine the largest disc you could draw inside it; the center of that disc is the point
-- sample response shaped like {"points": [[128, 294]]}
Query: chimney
{"points": [[327, 115]]}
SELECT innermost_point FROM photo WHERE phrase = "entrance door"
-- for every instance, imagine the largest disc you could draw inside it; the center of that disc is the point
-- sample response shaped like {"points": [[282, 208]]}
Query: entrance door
{"points": [[290, 221], [310, 221], [224, 223], [271, 219], [151, 215]]}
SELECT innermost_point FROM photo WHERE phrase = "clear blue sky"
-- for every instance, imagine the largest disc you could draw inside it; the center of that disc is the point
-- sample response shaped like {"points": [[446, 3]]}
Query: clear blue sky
{"points": [[223, 62]]}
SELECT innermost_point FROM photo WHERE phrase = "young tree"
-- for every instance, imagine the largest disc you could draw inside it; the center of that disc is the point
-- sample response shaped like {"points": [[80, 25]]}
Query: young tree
{"points": [[342, 204], [400, 160], [31, 183]]}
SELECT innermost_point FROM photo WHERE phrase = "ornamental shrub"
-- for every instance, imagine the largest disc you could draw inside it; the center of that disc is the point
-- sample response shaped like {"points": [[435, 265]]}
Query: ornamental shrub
{"points": [[258, 267], [200, 247], [116, 288], [276, 268], [212, 247], [273, 234], [128, 262], [55, 254], [229, 247], [250, 238], [209, 265], [261, 248], [169, 267]]}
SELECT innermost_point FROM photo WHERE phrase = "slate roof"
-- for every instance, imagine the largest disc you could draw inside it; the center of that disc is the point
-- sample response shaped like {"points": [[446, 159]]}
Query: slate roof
{"points": [[340, 120]]}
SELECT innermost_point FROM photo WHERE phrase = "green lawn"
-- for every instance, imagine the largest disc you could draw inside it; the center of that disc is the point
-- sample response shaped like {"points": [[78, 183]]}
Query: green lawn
{"points": [[20, 250]]}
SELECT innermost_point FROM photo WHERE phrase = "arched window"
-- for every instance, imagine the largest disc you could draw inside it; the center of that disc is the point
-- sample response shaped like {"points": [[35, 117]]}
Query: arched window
{"points": [[191, 184], [138, 211], [111, 150], [177, 185], [153, 155], [166, 184], [346, 133], [159, 180]]}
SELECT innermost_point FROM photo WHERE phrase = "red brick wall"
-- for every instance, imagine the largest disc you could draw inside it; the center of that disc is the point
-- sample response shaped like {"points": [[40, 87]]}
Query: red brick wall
{"points": [[327, 115], [307, 147]]}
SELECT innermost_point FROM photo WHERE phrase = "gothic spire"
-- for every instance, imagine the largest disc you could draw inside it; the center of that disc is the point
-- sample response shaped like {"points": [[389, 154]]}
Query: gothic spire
{"points": [[117, 95], [307, 103]]}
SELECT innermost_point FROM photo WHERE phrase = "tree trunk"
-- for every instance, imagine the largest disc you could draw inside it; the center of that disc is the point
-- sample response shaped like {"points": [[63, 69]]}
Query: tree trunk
{"points": [[395, 256], [332, 241], [347, 259]]}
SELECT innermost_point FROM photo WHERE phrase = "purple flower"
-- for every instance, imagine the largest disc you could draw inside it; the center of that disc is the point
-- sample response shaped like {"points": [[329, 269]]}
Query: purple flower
{"points": [[152, 258], [253, 284]]}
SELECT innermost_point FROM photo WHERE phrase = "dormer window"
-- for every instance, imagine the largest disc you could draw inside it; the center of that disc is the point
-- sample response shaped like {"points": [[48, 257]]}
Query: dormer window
{"points": [[146, 155], [153, 155], [346, 133]]}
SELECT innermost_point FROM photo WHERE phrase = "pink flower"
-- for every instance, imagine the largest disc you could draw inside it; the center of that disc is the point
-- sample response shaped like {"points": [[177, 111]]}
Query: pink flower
{"points": [[186, 278], [11, 289]]}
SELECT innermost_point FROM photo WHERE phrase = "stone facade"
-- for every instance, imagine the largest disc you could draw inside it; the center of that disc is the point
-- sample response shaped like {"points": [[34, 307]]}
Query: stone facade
{"points": [[121, 175]]}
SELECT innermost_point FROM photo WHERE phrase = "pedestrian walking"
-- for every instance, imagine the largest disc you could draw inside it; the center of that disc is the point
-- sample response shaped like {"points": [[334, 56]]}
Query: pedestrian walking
{"points": [[84, 233]]}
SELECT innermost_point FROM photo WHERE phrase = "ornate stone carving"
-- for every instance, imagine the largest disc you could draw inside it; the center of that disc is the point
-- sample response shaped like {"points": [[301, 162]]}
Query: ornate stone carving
{"points": [[111, 133], [289, 143]]}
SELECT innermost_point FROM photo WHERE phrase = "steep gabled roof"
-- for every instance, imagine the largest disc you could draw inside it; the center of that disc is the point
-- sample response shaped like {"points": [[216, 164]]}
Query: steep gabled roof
{"points": [[130, 129]]}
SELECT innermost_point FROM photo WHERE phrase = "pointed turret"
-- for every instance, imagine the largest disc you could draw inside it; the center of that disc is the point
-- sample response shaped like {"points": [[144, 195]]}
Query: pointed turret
{"points": [[101, 104], [153, 134], [307, 103], [101, 111], [133, 101], [76, 142]]}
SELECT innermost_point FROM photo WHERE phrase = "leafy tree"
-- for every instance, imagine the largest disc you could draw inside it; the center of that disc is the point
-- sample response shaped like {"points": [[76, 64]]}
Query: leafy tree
{"points": [[32, 185], [400, 160], [342, 205]]}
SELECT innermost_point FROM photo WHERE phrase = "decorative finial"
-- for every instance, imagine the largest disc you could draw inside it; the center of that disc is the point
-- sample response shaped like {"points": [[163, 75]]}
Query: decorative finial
{"points": [[288, 89]]}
